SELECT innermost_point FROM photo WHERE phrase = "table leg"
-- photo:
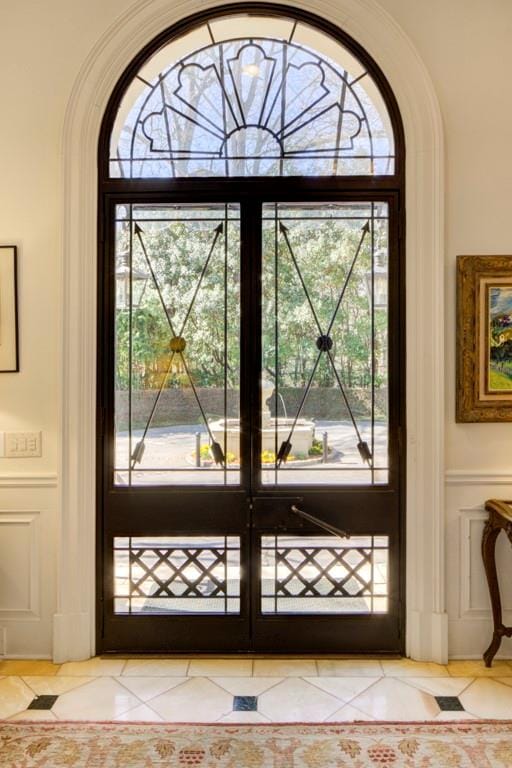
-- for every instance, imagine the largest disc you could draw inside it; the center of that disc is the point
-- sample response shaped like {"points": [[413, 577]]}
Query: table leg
{"points": [[490, 534]]}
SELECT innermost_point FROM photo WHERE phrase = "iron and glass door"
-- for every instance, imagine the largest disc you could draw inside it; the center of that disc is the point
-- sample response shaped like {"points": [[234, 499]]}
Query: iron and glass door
{"points": [[326, 508], [251, 400]]}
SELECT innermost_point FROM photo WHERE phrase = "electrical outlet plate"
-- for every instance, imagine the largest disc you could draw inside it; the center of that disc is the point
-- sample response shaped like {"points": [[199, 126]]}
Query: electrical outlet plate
{"points": [[21, 445]]}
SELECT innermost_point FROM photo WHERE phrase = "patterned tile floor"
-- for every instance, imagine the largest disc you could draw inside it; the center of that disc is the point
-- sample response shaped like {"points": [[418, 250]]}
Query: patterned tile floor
{"points": [[254, 691]]}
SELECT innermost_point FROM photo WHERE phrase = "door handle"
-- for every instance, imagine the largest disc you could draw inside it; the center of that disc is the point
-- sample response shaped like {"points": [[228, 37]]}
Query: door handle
{"points": [[320, 523], [275, 499]]}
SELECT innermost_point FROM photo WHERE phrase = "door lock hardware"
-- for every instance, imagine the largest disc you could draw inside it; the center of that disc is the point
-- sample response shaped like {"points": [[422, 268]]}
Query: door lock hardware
{"points": [[320, 523]]}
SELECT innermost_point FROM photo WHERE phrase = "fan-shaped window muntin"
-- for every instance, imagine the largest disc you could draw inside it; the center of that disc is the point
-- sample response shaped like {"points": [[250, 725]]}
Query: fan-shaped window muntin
{"points": [[263, 105]]}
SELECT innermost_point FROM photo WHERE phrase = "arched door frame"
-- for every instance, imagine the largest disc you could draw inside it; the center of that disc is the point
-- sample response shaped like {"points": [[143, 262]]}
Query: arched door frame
{"points": [[375, 30]]}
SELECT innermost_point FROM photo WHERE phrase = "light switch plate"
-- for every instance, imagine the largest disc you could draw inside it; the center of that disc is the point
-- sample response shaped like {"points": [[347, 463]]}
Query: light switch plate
{"points": [[21, 445]]}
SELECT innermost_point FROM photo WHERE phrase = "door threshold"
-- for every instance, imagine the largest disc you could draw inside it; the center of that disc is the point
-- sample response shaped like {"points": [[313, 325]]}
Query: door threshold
{"points": [[249, 655]]}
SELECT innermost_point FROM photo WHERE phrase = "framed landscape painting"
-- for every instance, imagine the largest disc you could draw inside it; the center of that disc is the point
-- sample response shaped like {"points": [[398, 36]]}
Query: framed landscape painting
{"points": [[484, 338], [8, 310]]}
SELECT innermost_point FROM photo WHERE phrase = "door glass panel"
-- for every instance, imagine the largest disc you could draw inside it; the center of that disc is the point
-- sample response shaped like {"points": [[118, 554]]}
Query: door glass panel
{"points": [[178, 575], [177, 334], [324, 574], [324, 390]]}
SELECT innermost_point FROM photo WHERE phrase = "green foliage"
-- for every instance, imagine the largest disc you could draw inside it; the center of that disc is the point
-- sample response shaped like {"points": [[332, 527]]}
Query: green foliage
{"points": [[317, 448], [178, 251], [324, 255]]}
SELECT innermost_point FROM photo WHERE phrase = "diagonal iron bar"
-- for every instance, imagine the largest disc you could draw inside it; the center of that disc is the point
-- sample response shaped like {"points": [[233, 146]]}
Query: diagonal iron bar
{"points": [[138, 451], [365, 230], [286, 445], [139, 448], [138, 233], [218, 231], [284, 231]]}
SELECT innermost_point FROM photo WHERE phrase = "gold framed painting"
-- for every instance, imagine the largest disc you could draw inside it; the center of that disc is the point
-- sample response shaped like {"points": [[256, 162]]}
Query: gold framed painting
{"points": [[9, 362], [484, 338]]}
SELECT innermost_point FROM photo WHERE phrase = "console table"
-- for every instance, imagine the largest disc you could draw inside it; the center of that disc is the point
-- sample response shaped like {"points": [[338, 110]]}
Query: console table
{"points": [[500, 519]]}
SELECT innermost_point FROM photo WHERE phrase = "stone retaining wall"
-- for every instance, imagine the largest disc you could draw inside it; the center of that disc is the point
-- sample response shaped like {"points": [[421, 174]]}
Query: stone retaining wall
{"points": [[178, 406]]}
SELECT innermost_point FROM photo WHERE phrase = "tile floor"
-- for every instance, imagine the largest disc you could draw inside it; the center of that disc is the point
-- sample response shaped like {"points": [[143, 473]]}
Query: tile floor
{"points": [[254, 691]]}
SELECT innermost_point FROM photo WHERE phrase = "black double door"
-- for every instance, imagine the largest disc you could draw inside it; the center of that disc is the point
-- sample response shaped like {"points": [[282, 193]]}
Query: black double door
{"points": [[250, 481]]}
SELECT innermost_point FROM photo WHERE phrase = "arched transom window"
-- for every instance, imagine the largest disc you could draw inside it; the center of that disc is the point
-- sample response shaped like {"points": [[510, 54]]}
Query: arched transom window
{"points": [[257, 96]]}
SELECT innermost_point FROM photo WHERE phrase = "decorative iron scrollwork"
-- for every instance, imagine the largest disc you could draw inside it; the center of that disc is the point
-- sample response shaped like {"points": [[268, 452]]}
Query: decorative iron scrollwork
{"points": [[254, 107]]}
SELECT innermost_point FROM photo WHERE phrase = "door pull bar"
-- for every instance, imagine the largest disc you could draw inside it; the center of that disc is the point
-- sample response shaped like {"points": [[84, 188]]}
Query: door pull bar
{"points": [[320, 523]]}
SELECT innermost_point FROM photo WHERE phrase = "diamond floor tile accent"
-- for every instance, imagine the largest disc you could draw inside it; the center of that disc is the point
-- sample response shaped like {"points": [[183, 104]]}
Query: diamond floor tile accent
{"points": [[42, 702], [245, 703], [449, 703]]}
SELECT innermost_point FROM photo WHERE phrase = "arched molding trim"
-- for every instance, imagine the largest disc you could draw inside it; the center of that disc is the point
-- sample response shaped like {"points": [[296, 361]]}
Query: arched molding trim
{"points": [[380, 35]]}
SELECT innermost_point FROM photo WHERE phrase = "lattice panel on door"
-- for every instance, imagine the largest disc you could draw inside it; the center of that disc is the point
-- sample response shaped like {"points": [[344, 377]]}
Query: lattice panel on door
{"points": [[322, 574], [193, 574]]}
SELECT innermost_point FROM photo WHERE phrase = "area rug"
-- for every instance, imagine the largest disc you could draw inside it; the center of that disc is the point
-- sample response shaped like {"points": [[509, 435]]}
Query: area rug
{"points": [[351, 745]]}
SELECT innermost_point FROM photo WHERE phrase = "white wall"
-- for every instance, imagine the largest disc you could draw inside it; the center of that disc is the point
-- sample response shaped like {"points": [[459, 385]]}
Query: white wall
{"points": [[465, 47], [42, 47]]}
